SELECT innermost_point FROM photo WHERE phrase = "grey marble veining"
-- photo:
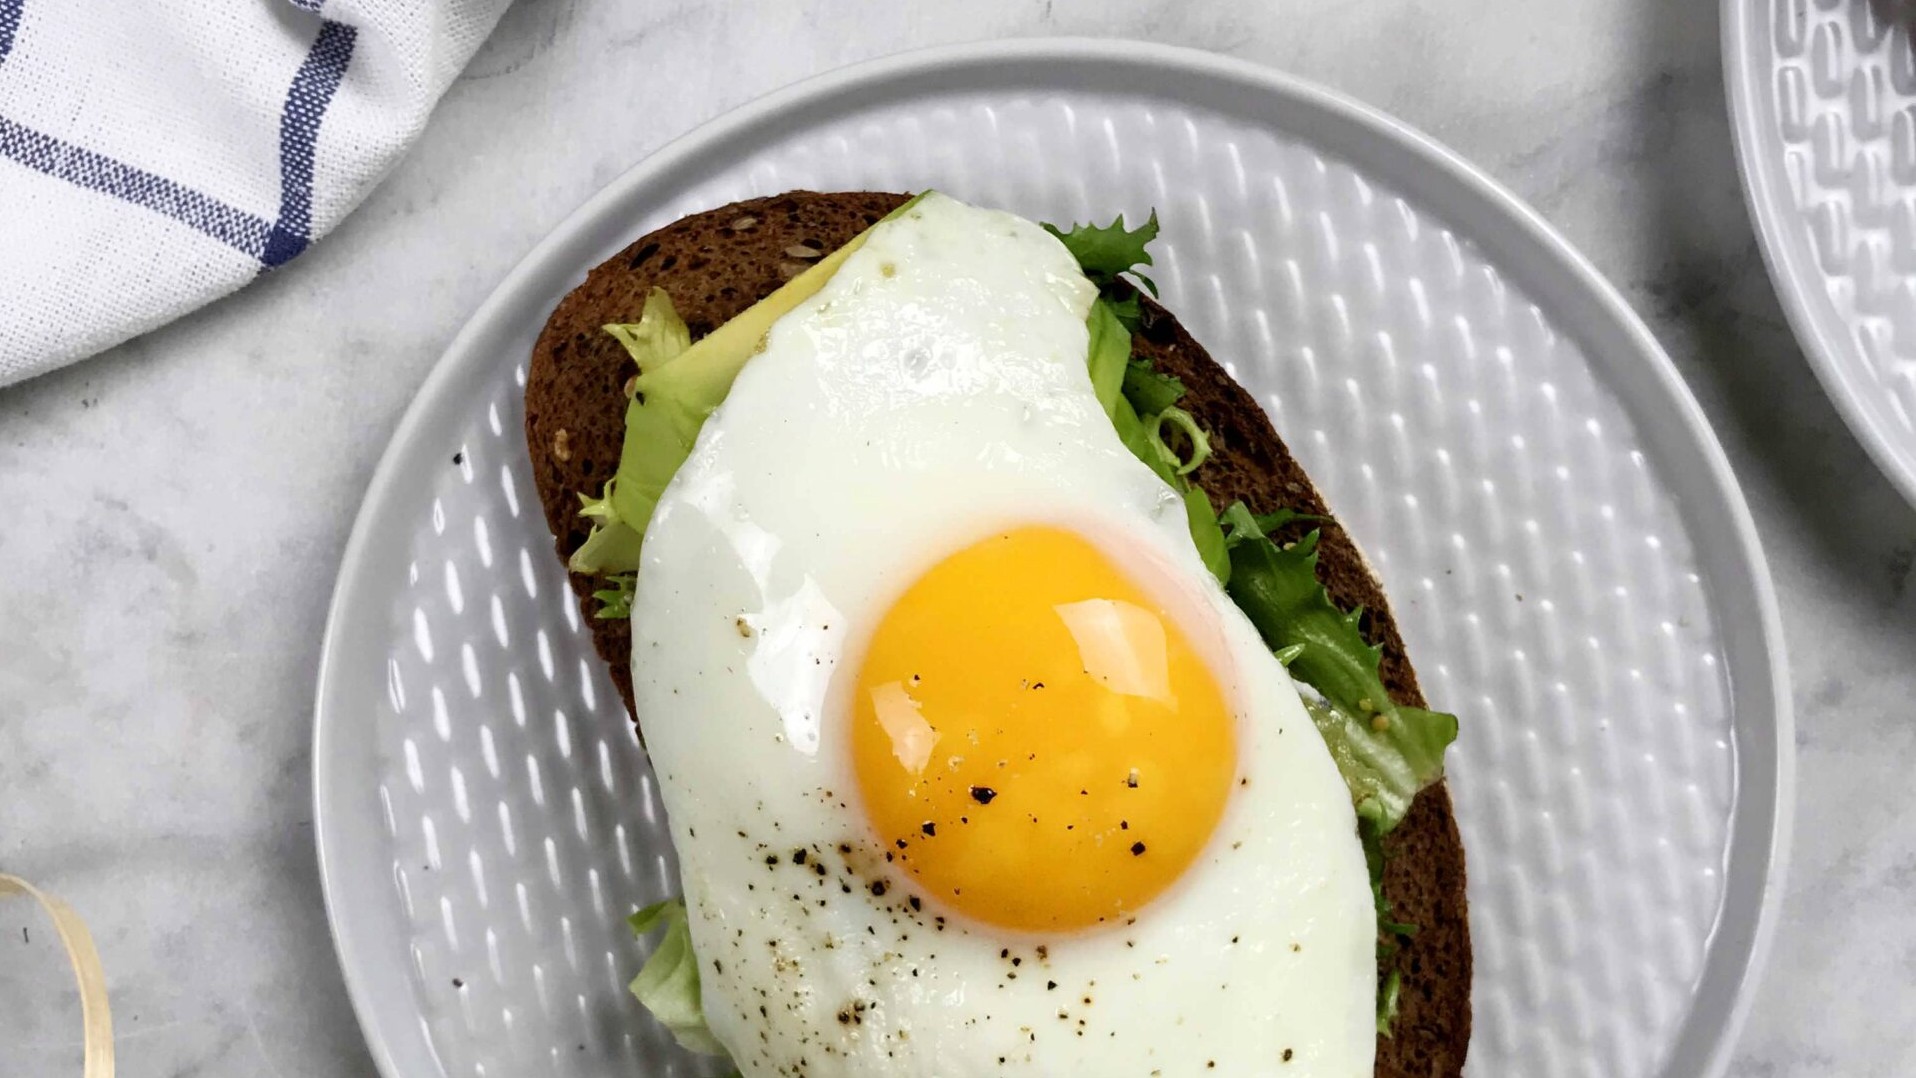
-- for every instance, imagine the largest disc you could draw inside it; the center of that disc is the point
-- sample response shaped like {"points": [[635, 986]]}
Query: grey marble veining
{"points": [[157, 667]]}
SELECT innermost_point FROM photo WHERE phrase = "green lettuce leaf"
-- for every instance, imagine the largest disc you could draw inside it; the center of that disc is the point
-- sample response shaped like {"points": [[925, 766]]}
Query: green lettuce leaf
{"points": [[1125, 304], [1390, 932], [1385, 752], [613, 546], [1104, 253], [1388, 992], [668, 983], [657, 338], [1201, 518], [1270, 522], [1108, 357], [1200, 442], [615, 600], [1121, 382], [1385, 755], [1148, 389], [1139, 400]]}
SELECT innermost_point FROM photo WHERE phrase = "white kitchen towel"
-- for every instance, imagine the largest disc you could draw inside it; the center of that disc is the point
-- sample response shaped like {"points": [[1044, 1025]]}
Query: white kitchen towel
{"points": [[158, 154]]}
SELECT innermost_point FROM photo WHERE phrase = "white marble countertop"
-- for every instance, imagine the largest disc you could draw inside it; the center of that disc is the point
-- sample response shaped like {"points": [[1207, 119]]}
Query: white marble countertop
{"points": [[157, 667]]}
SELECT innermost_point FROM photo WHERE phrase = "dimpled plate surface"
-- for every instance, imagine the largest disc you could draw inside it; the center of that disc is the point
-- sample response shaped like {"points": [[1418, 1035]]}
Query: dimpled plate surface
{"points": [[1572, 564], [1823, 95]]}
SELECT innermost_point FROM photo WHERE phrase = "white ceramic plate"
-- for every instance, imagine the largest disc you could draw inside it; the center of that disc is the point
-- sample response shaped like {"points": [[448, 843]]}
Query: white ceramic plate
{"points": [[1574, 568], [1823, 102]]}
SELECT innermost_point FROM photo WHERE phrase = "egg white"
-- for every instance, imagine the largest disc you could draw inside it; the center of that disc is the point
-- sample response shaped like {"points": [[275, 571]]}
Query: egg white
{"points": [[934, 390]]}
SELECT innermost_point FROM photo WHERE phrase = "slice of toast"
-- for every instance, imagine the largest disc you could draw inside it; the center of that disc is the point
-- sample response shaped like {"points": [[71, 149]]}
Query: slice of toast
{"points": [[717, 263]]}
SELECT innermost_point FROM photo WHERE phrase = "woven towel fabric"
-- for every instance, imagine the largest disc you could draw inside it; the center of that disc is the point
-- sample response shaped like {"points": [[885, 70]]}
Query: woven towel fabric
{"points": [[157, 155]]}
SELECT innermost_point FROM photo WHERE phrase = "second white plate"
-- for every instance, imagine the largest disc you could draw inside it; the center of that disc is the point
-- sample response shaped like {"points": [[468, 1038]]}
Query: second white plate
{"points": [[1823, 103], [1573, 566]]}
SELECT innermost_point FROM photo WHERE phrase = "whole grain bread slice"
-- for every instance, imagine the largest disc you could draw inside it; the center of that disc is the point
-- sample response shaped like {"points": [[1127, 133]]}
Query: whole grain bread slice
{"points": [[717, 263]]}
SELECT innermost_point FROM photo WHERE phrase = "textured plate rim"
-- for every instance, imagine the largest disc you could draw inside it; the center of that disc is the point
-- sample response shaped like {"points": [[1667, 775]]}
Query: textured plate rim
{"points": [[1739, 941], [1832, 353]]}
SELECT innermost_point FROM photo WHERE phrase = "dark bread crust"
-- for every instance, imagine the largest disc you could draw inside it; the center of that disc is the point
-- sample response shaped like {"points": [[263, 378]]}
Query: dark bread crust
{"points": [[718, 263]]}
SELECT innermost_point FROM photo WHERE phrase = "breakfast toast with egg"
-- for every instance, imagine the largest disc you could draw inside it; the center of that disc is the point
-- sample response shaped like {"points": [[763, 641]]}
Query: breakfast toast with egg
{"points": [[717, 264]]}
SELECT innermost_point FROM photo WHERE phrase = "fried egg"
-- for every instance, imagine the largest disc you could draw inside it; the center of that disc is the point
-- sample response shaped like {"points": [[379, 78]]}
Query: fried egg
{"points": [[972, 768]]}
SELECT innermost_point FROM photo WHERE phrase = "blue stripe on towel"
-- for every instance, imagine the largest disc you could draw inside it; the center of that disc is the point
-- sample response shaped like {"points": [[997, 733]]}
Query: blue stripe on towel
{"points": [[306, 102], [98, 172], [274, 243], [9, 23]]}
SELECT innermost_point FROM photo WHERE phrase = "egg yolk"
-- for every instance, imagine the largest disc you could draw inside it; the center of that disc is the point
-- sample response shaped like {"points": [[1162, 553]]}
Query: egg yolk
{"points": [[1035, 740]]}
